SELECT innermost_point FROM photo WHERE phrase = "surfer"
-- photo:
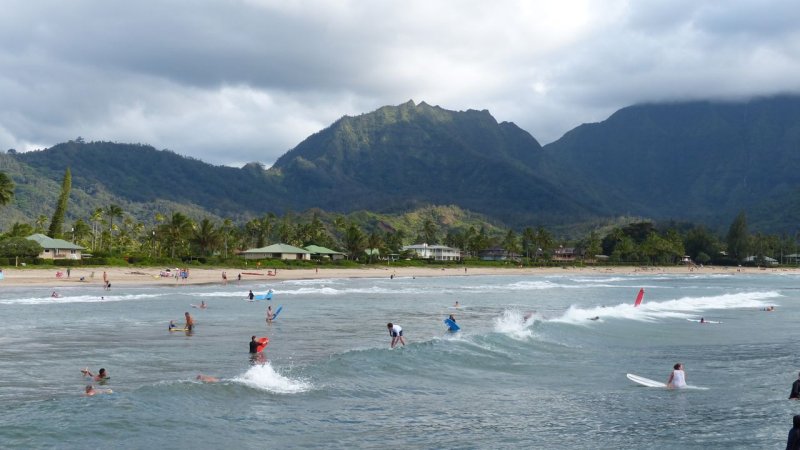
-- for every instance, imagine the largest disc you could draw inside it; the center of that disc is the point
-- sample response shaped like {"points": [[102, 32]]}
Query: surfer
{"points": [[189, 321], [91, 391], [55, 294], [795, 394], [702, 320], [253, 345], [270, 314], [396, 332], [172, 325], [102, 375], [595, 318], [203, 304], [793, 442], [251, 296], [207, 378], [677, 379], [456, 305]]}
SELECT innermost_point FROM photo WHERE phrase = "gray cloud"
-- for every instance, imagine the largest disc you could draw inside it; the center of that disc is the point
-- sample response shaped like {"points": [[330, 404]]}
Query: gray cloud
{"points": [[235, 81]]}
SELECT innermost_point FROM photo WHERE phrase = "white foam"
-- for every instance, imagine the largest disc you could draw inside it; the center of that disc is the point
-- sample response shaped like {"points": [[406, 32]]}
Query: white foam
{"points": [[685, 307], [514, 324], [78, 299], [264, 377]]}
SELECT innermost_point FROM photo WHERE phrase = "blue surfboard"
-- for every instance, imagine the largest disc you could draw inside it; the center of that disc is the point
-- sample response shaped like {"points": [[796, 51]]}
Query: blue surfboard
{"points": [[267, 296], [277, 311], [451, 325]]}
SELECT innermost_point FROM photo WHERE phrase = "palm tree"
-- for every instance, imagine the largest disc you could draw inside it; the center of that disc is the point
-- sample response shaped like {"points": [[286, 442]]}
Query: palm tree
{"points": [[374, 242], [96, 216], [112, 211], [40, 221], [176, 231], [205, 236], [6, 189]]}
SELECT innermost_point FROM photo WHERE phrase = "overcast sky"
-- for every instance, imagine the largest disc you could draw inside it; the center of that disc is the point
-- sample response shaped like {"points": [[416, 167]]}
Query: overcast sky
{"points": [[234, 81]]}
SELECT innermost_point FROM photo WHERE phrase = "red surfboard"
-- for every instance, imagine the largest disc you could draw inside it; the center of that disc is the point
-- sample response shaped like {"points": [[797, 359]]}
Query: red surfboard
{"points": [[639, 298], [263, 344]]}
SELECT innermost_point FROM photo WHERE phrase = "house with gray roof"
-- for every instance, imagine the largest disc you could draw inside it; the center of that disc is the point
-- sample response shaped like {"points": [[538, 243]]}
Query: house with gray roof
{"points": [[319, 252]]}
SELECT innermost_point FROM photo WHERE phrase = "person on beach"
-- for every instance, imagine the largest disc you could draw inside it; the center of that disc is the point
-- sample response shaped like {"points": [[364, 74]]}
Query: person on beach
{"points": [[105, 277], [677, 379], [238, 278], [396, 332], [795, 394], [189, 322], [207, 378], [91, 391], [793, 442], [224, 277], [270, 314], [251, 296], [102, 375]]}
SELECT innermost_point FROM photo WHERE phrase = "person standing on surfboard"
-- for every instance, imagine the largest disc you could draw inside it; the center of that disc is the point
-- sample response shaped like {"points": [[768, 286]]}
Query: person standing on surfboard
{"points": [[677, 379], [396, 332]]}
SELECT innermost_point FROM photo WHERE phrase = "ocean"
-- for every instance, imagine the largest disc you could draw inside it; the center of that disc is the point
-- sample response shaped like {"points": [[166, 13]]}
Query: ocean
{"points": [[554, 380]]}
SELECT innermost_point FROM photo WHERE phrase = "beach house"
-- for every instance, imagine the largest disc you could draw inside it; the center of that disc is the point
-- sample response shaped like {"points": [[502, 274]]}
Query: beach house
{"points": [[434, 252], [277, 251], [318, 252], [56, 248]]}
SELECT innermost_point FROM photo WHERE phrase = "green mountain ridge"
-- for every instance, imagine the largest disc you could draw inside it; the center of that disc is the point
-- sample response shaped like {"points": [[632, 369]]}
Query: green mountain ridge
{"points": [[699, 161]]}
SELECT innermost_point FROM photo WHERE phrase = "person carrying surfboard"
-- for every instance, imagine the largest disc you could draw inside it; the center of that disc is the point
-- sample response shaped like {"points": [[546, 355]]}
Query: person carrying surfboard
{"points": [[677, 379], [396, 332]]}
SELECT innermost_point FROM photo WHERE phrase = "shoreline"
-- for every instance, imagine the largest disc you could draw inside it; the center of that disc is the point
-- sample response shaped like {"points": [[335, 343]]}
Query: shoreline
{"points": [[150, 276]]}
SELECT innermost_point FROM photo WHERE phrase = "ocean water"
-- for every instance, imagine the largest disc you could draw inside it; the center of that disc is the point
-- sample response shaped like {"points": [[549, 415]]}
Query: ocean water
{"points": [[330, 380]]}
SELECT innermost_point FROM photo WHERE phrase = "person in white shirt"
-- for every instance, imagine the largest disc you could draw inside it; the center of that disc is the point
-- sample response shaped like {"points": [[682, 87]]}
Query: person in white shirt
{"points": [[396, 332], [677, 379]]}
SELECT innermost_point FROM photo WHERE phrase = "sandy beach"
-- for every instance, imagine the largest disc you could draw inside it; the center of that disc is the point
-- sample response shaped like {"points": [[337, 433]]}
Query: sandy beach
{"points": [[119, 276]]}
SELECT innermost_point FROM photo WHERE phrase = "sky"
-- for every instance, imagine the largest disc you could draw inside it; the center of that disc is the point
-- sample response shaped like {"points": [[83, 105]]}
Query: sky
{"points": [[236, 81]]}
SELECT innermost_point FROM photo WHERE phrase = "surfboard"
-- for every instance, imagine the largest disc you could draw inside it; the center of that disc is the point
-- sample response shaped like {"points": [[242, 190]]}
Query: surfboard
{"points": [[452, 326], [639, 298], [179, 329], [277, 311], [646, 381], [705, 321], [264, 341], [267, 296]]}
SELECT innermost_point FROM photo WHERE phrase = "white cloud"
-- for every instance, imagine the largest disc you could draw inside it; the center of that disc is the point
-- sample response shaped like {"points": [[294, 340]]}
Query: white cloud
{"points": [[230, 82]]}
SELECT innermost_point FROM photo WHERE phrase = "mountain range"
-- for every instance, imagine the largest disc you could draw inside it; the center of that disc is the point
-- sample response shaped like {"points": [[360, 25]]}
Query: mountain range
{"points": [[699, 161]]}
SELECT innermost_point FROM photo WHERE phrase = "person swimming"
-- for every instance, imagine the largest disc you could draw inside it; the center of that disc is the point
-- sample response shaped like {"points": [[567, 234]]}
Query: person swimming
{"points": [[90, 391], [594, 318]]}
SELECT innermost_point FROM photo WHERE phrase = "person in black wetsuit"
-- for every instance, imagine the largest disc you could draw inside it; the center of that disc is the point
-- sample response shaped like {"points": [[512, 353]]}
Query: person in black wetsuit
{"points": [[251, 296], [254, 345], [793, 442], [795, 394]]}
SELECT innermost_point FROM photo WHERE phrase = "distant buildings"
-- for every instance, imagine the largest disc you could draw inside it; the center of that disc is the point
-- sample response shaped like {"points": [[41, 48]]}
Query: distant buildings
{"points": [[56, 248], [434, 252], [277, 251]]}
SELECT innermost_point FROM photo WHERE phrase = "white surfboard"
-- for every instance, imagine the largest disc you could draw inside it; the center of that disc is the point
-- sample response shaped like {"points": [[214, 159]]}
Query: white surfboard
{"points": [[646, 381], [704, 321]]}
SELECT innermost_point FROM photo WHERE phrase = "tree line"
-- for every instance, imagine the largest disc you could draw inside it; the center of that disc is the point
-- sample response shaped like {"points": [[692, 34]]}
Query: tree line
{"points": [[110, 231]]}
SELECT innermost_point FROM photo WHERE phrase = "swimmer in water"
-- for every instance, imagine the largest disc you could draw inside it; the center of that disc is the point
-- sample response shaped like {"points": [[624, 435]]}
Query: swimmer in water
{"points": [[456, 305], [207, 378], [595, 318], [172, 325], [55, 294], [90, 391], [102, 375]]}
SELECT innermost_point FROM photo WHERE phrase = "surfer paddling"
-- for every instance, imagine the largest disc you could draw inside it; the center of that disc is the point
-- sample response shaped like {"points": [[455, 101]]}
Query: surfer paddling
{"points": [[396, 332], [677, 379]]}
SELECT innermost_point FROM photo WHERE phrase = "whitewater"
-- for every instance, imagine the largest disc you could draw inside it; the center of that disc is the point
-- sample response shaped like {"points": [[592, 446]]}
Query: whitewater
{"points": [[540, 362]]}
